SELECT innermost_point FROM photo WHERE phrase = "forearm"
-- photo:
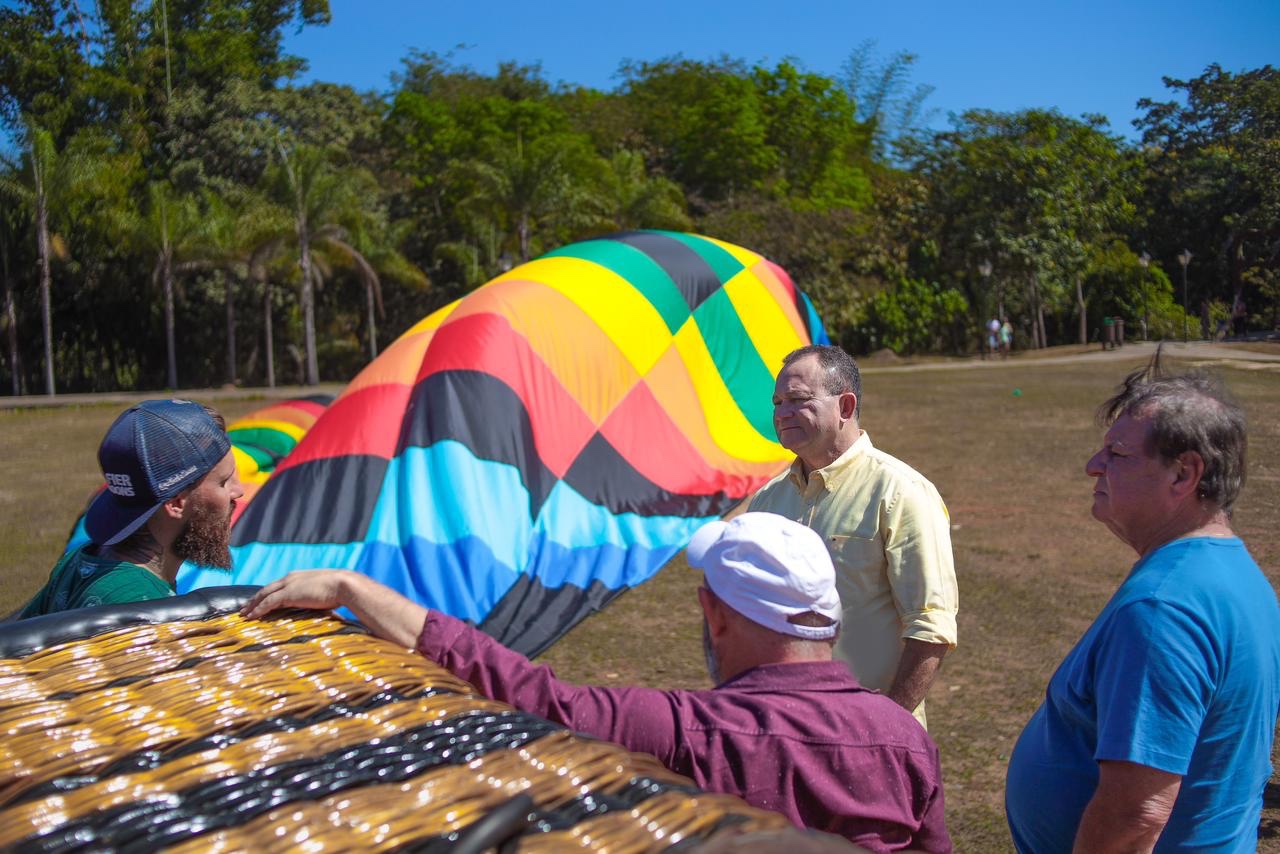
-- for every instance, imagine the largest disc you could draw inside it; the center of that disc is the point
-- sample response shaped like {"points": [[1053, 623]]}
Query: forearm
{"points": [[640, 719], [1128, 810], [497, 672], [1105, 829], [917, 669], [382, 610]]}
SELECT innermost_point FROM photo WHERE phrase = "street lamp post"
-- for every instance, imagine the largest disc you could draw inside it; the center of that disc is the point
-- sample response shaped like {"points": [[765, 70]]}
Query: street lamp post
{"points": [[1184, 258], [1144, 260], [985, 269]]}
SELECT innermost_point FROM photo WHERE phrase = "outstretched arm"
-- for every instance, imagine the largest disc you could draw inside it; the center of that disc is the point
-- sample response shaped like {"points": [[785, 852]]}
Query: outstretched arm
{"points": [[650, 722], [382, 610]]}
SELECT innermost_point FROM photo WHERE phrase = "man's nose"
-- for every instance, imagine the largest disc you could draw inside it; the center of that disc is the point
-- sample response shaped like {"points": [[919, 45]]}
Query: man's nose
{"points": [[1093, 467]]}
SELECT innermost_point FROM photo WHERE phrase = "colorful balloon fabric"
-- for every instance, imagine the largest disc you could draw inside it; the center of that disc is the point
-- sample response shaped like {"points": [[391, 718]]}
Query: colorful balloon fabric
{"points": [[523, 455], [264, 437]]}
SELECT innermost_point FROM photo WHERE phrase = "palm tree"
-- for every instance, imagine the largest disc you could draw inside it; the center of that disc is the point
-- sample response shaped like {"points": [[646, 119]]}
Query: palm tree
{"points": [[242, 234], [369, 247], [9, 228], [170, 227], [332, 212], [260, 257], [46, 180], [529, 187], [312, 189], [476, 256], [638, 201]]}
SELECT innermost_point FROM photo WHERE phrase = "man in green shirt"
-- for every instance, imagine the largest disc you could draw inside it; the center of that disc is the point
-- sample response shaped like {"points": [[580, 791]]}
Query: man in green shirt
{"points": [[171, 489]]}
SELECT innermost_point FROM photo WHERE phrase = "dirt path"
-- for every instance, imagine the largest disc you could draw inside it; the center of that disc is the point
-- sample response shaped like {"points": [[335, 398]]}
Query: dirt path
{"points": [[1195, 351]]}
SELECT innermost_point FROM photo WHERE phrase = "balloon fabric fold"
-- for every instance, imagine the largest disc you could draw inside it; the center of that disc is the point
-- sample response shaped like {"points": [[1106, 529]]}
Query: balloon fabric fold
{"points": [[523, 455]]}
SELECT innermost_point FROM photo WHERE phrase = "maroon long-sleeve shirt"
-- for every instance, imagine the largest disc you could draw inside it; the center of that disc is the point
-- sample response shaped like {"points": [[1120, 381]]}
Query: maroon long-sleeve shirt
{"points": [[803, 739]]}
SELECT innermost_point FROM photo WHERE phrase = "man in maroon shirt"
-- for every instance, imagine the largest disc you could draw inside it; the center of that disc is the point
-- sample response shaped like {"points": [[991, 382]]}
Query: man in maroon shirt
{"points": [[786, 728]]}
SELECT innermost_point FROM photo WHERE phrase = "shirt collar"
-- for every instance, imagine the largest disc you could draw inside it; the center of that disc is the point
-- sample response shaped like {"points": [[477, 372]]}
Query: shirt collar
{"points": [[829, 475], [796, 676]]}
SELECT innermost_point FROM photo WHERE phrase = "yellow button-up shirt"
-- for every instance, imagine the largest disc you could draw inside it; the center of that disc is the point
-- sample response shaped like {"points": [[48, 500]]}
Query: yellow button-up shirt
{"points": [[890, 539]]}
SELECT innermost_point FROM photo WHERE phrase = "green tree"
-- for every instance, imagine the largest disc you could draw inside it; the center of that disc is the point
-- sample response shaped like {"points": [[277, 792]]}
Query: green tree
{"points": [[243, 232], [373, 246], [473, 164], [11, 228], [822, 147], [1213, 177], [310, 188], [529, 188], [636, 199], [1121, 287], [914, 316], [123, 67], [366, 246], [45, 73], [170, 227], [1032, 192], [47, 182], [704, 124], [332, 208], [887, 101]]}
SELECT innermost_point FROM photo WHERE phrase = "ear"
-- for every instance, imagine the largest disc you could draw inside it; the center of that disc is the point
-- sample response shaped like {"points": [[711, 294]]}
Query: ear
{"points": [[713, 611], [175, 507], [848, 405], [1188, 469]]}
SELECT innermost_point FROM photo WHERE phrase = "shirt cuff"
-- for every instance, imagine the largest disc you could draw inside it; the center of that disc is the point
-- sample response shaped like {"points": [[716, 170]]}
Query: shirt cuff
{"points": [[439, 633], [934, 626]]}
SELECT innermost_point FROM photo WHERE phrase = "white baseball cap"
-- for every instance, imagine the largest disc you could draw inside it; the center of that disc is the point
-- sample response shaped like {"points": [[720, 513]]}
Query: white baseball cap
{"points": [[768, 568]]}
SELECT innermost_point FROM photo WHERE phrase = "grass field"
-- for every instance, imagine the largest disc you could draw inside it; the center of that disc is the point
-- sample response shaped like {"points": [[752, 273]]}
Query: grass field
{"points": [[1033, 567]]}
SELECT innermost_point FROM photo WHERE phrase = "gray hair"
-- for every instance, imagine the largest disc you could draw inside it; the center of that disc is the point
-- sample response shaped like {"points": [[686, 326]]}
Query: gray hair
{"points": [[841, 371], [1188, 412]]}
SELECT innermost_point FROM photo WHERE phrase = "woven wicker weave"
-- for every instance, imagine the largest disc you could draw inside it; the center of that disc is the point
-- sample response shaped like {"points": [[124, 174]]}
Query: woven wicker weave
{"points": [[302, 733]]}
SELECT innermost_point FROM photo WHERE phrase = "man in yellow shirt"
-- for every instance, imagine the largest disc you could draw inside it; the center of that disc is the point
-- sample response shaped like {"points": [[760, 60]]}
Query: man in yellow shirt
{"points": [[885, 524]]}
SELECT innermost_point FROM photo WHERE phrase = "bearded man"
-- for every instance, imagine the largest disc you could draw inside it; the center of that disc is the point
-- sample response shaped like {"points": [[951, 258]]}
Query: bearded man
{"points": [[171, 489]]}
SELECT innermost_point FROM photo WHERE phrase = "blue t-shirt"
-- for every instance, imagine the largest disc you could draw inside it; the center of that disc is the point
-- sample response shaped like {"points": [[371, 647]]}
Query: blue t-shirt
{"points": [[1180, 672]]}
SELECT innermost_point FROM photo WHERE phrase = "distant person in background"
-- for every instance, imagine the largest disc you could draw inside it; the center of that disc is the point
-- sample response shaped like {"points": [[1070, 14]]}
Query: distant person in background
{"points": [[1239, 318], [1006, 338], [884, 523], [786, 728], [1204, 319], [993, 336], [171, 489], [1156, 730]]}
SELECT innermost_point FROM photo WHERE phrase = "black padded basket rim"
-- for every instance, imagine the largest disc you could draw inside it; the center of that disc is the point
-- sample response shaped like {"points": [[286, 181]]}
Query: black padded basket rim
{"points": [[20, 638]]}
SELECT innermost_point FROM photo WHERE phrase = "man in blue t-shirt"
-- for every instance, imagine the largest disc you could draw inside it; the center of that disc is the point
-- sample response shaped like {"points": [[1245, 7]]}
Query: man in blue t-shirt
{"points": [[1156, 729]]}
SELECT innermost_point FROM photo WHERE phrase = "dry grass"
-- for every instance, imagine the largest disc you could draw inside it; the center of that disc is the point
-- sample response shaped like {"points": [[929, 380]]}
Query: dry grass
{"points": [[1033, 567]]}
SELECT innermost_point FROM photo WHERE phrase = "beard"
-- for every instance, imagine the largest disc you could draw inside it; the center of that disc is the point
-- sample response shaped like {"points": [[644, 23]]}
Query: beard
{"points": [[205, 538], [713, 664]]}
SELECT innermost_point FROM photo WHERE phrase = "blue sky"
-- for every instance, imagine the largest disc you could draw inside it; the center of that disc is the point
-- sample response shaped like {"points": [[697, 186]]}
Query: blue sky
{"points": [[1084, 56]]}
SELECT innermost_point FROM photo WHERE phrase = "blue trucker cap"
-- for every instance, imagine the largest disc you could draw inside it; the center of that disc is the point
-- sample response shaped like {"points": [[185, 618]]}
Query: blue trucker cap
{"points": [[152, 452]]}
